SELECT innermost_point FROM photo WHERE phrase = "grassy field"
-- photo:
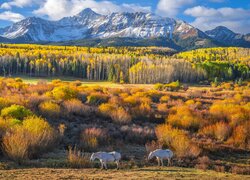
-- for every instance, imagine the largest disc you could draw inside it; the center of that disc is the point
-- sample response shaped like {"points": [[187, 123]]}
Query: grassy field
{"points": [[141, 173], [34, 80]]}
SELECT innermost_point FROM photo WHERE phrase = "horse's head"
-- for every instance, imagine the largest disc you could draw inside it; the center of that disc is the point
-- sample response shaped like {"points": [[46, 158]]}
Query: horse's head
{"points": [[93, 157], [151, 155]]}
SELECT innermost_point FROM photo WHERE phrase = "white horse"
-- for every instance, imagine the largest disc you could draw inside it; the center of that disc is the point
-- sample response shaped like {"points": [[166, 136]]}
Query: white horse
{"points": [[160, 155], [105, 157]]}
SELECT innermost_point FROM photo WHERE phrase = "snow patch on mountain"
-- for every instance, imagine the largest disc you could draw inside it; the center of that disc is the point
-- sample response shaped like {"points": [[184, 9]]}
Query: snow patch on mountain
{"points": [[89, 24]]}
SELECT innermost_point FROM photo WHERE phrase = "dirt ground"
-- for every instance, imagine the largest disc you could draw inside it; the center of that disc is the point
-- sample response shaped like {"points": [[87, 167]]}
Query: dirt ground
{"points": [[140, 173]]}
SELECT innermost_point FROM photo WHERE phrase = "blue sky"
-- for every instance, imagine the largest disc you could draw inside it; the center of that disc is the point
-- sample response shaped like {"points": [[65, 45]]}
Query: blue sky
{"points": [[204, 14]]}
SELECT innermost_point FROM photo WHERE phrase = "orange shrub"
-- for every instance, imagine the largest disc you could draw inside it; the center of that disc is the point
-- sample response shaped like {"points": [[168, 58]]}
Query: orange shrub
{"points": [[227, 86], [143, 110], [107, 109], [75, 106], [176, 140], [241, 136], [220, 131], [131, 100], [162, 108], [164, 99], [184, 118], [121, 116], [234, 113]]}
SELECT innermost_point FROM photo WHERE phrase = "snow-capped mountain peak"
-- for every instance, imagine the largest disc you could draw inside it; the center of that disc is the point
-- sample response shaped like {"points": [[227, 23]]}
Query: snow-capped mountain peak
{"points": [[88, 13], [89, 25]]}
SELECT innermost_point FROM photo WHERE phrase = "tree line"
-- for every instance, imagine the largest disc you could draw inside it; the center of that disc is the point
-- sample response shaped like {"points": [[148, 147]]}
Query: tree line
{"points": [[125, 65]]}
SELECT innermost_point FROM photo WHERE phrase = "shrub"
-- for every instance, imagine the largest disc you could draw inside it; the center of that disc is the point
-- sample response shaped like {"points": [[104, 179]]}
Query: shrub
{"points": [[159, 86], [16, 144], [77, 160], [34, 100], [143, 110], [4, 103], [220, 131], [40, 88], [91, 138], [229, 111], [131, 100], [203, 163], [30, 140], [240, 170], [184, 118], [194, 93], [164, 99], [177, 140], [154, 95], [121, 116], [15, 111], [49, 109], [241, 136], [107, 109], [97, 98], [174, 86], [153, 145], [64, 93], [75, 106], [162, 108], [137, 134], [6, 124]]}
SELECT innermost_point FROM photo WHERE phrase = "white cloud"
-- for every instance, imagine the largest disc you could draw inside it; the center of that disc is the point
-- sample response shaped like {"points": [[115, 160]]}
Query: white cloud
{"points": [[171, 8], [17, 3], [57, 9], [11, 16], [5, 6], [236, 19]]}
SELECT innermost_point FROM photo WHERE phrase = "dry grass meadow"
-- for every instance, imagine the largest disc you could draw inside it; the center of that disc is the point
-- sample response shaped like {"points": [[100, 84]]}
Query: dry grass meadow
{"points": [[140, 173]]}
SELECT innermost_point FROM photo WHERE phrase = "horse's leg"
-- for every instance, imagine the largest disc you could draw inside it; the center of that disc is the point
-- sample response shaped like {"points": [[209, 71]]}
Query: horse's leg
{"points": [[168, 161], [101, 164], [162, 162], [159, 163], [117, 163], [105, 165]]}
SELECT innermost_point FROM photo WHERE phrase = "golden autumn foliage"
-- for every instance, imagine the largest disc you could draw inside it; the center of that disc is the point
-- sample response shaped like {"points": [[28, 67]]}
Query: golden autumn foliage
{"points": [[64, 93], [221, 131], [49, 109], [33, 137], [177, 140], [184, 117], [181, 121]]}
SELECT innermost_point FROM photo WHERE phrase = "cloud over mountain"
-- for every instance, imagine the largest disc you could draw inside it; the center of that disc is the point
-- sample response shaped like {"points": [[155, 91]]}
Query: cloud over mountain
{"points": [[236, 19], [72, 7]]}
